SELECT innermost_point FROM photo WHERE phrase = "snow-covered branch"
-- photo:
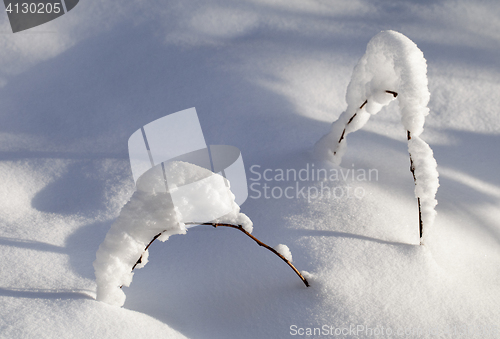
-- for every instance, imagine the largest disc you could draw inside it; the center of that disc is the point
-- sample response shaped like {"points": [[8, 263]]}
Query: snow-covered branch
{"points": [[281, 250], [393, 66], [151, 215]]}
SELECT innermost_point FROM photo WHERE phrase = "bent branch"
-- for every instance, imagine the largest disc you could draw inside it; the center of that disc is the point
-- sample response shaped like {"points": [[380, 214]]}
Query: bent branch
{"points": [[238, 227]]}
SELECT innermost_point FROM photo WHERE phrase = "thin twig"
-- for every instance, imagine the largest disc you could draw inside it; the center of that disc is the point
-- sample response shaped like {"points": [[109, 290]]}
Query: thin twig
{"points": [[412, 169], [350, 120], [238, 227], [392, 92], [140, 259], [145, 249], [260, 243], [354, 115]]}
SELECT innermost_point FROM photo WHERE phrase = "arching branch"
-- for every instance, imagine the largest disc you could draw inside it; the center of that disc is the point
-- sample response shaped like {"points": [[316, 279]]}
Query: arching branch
{"points": [[240, 228], [412, 168]]}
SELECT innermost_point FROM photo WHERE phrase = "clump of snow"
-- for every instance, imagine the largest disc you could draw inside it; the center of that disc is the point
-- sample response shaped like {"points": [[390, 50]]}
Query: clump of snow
{"points": [[150, 212], [202, 196], [236, 218], [393, 66], [307, 275], [426, 180], [141, 219], [284, 251], [144, 260], [392, 62]]}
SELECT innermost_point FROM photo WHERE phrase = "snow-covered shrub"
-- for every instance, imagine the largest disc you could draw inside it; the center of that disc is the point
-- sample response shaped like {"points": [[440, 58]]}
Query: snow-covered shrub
{"points": [[151, 214], [392, 67]]}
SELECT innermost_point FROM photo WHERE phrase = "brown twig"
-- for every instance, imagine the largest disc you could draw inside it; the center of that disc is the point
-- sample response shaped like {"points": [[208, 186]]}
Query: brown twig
{"points": [[145, 249], [140, 259], [260, 243], [238, 227], [350, 120], [354, 115], [412, 169], [392, 92]]}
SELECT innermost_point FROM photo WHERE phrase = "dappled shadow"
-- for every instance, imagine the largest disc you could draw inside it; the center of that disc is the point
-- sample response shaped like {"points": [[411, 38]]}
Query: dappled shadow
{"points": [[95, 95], [472, 153], [82, 245], [18, 155], [31, 245], [78, 191]]}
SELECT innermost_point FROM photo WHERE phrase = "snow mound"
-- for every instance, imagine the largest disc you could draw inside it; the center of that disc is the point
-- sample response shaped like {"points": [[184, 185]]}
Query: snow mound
{"points": [[74, 315]]}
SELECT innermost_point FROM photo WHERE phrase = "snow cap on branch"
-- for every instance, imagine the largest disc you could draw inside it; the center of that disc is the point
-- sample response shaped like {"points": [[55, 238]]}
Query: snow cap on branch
{"points": [[393, 66], [284, 251], [426, 180], [151, 212], [393, 63]]}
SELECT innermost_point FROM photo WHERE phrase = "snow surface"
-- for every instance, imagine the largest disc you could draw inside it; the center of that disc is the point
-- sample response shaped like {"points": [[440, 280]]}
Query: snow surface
{"points": [[268, 77]]}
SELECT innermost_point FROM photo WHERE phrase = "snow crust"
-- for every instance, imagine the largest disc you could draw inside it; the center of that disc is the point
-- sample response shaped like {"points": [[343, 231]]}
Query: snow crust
{"points": [[151, 212]]}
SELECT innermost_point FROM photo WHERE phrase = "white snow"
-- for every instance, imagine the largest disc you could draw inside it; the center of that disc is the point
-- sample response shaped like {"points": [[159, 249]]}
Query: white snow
{"points": [[143, 217], [392, 63], [426, 183], [152, 212], [268, 77], [284, 251]]}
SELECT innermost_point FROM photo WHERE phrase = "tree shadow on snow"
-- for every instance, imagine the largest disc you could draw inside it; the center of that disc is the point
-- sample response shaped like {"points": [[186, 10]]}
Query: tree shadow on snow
{"points": [[45, 294], [78, 191], [322, 233], [31, 245], [82, 245]]}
